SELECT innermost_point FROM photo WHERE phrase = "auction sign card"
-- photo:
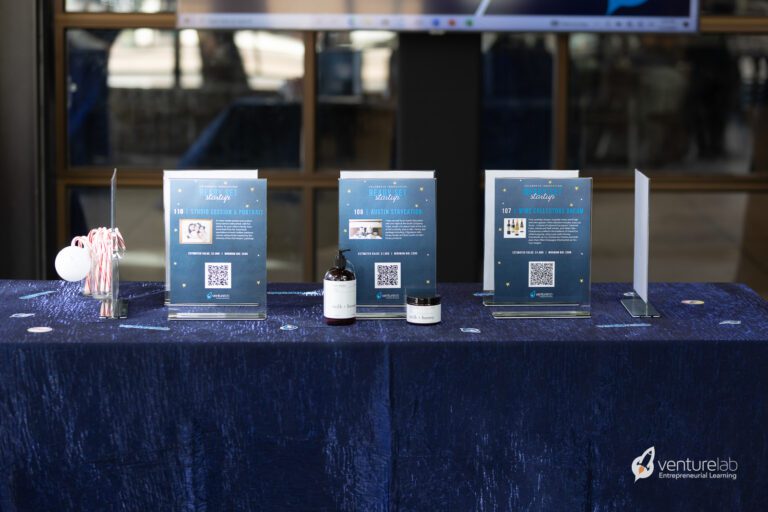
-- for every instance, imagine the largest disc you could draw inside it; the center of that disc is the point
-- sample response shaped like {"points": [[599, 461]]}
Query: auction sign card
{"points": [[216, 244], [387, 220], [543, 241]]}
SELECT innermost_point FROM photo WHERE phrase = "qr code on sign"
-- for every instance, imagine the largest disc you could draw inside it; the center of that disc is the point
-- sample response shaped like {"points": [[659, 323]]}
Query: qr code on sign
{"points": [[541, 274], [218, 276], [387, 275]]}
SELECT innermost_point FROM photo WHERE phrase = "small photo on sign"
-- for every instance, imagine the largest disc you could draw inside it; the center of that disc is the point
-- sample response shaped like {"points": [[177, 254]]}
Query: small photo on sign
{"points": [[195, 231], [515, 228], [366, 229]]}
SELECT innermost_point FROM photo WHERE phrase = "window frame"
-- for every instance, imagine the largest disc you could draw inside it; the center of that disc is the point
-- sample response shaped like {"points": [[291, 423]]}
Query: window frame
{"points": [[309, 179]]}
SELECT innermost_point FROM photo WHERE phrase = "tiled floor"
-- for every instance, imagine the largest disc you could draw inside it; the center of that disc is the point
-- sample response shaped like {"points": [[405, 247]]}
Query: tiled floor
{"points": [[712, 237]]}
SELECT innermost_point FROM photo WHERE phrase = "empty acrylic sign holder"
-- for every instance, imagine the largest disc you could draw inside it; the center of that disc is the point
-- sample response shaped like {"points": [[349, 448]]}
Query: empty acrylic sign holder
{"points": [[638, 305], [105, 273]]}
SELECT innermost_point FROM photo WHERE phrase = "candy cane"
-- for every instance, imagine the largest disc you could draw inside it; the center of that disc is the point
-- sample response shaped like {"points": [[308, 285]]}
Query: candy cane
{"points": [[103, 244], [84, 243]]}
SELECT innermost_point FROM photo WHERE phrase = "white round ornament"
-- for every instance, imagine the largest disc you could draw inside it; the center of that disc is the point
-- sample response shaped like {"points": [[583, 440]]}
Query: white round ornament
{"points": [[73, 263]]}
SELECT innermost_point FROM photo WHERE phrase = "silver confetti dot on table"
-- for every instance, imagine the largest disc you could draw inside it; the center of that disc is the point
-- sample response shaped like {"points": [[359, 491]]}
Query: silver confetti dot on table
{"points": [[289, 327], [470, 330], [39, 330]]}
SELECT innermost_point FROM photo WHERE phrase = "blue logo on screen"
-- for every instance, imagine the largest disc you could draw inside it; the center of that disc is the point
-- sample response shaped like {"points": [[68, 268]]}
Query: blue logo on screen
{"points": [[379, 296], [533, 294], [615, 5], [209, 296]]}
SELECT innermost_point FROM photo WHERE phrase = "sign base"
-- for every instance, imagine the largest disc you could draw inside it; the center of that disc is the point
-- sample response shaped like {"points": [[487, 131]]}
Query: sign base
{"points": [[205, 313], [638, 308], [506, 311], [114, 309], [381, 313]]}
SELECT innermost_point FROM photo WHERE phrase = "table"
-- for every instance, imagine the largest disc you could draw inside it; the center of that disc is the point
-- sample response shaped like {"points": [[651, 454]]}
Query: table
{"points": [[524, 415]]}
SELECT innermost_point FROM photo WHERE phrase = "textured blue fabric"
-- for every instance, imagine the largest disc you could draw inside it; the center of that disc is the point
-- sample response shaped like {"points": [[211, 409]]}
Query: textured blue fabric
{"points": [[525, 415]]}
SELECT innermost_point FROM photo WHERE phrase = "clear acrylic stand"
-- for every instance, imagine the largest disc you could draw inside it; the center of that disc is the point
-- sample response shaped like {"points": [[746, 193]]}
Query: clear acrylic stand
{"points": [[112, 307], [505, 310], [638, 308], [381, 312]]}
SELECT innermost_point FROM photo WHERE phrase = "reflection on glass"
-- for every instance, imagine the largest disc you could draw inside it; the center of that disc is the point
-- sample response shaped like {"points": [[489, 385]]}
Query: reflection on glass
{"points": [[326, 230], [147, 6], [285, 236], [184, 99], [669, 104], [141, 221], [694, 238], [517, 101], [734, 7], [356, 100]]}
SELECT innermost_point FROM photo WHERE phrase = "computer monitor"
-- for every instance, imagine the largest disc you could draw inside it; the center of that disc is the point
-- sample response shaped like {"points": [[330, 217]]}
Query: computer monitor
{"points": [[670, 16]]}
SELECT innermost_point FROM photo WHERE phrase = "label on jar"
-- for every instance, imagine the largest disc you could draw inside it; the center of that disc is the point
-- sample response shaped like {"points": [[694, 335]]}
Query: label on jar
{"points": [[424, 315], [339, 299]]}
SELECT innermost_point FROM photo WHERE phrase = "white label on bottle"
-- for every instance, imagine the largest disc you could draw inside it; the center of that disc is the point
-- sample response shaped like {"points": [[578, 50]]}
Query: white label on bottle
{"points": [[340, 299]]}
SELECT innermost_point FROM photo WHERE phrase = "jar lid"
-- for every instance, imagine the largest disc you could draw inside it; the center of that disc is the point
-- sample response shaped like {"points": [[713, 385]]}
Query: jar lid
{"points": [[423, 300]]}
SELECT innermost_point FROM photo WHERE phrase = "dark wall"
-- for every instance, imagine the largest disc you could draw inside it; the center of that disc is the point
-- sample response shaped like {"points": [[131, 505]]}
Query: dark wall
{"points": [[438, 129], [20, 162]]}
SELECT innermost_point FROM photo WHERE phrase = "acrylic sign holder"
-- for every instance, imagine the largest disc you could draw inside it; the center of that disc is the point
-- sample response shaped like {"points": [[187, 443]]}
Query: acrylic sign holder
{"points": [[105, 270]]}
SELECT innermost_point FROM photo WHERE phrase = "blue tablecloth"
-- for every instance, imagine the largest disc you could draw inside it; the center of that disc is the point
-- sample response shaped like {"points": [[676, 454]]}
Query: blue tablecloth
{"points": [[523, 415]]}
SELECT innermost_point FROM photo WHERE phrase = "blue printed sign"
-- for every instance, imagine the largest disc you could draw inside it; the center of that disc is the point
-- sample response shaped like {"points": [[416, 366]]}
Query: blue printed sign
{"points": [[217, 229], [389, 226], [543, 241]]}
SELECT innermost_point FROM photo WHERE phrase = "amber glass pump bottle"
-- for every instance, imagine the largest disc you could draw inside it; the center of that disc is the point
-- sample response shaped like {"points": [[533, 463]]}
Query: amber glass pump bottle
{"points": [[340, 293]]}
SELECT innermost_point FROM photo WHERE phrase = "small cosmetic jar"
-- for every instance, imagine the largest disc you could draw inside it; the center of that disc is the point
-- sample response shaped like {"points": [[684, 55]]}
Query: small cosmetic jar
{"points": [[424, 310]]}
